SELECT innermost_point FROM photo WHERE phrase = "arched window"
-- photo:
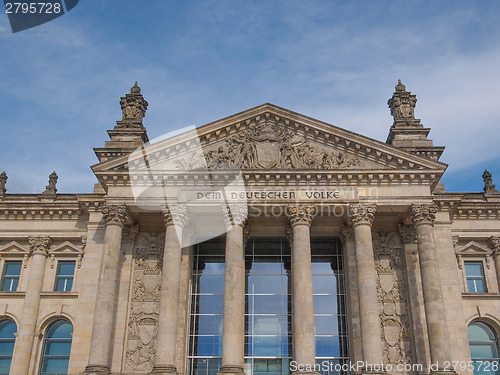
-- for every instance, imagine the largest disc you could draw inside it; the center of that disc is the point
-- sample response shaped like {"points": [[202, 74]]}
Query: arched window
{"points": [[7, 339], [483, 345], [56, 348]]}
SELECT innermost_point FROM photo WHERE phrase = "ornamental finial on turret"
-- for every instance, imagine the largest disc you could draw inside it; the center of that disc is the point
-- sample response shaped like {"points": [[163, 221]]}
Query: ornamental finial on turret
{"points": [[489, 188], [133, 108], [3, 182], [402, 105], [51, 189]]}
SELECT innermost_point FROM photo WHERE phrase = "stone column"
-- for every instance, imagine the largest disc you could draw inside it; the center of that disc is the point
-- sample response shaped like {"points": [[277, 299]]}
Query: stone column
{"points": [[233, 326], [362, 216], [423, 216], [39, 247], [303, 343], [166, 339], [495, 245], [101, 341]]}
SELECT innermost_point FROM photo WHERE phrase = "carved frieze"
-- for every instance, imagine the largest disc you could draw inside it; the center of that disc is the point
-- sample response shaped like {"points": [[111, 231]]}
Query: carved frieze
{"points": [[393, 297], [144, 304], [268, 144]]}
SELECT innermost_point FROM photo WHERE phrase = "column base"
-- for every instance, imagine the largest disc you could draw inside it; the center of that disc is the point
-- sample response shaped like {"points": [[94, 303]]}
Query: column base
{"points": [[305, 373], [96, 370], [231, 370], [443, 372], [164, 370], [373, 372]]}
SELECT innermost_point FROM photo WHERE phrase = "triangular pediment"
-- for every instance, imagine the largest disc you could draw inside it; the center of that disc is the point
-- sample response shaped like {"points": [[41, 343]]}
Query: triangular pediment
{"points": [[66, 248], [271, 139], [473, 249], [13, 248]]}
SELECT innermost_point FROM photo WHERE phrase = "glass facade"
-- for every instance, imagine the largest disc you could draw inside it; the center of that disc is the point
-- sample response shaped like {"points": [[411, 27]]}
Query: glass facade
{"points": [[268, 327], [8, 331], [483, 344], [11, 274], [57, 348]]}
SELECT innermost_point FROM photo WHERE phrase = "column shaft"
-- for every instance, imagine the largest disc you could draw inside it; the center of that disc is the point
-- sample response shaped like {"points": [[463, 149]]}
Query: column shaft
{"points": [[304, 352], [175, 218], [423, 216], [371, 334], [21, 359], [233, 335], [101, 341]]}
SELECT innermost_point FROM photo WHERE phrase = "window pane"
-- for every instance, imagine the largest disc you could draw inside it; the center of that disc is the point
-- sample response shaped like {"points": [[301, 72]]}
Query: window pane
{"points": [[58, 347], [327, 346], [322, 268], [7, 329], [5, 365], [269, 284], [209, 345], [270, 325], [60, 330], [270, 305], [63, 285], [326, 325], [66, 268], [478, 331], [324, 284], [12, 268], [58, 365], [208, 325], [6, 347], [211, 304], [268, 267], [325, 304], [212, 284], [474, 269]]}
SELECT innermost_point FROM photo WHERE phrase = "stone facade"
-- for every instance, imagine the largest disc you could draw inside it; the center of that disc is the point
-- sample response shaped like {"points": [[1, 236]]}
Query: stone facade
{"points": [[405, 242]]}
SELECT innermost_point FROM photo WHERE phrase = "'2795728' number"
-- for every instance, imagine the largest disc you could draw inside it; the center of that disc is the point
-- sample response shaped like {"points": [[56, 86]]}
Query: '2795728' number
{"points": [[39, 8]]}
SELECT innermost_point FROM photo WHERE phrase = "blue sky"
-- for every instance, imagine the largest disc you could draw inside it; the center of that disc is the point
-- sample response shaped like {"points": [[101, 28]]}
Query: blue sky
{"points": [[200, 61]]}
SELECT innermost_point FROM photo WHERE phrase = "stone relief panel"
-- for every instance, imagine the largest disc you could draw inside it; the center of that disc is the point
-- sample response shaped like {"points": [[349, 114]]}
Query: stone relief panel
{"points": [[393, 297], [144, 303], [268, 144]]}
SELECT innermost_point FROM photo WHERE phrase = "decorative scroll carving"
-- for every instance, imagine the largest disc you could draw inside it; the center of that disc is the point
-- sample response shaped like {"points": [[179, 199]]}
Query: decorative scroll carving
{"points": [[393, 296], [144, 304], [301, 214], [455, 240], [115, 214], [362, 213], [175, 215], [267, 145], [408, 233], [39, 245], [422, 213]]}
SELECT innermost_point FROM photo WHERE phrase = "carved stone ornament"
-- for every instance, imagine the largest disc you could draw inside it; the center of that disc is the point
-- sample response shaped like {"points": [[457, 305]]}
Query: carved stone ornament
{"points": [[408, 233], [495, 244], [235, 214], [455, 240], [175, 215], [360, 213], [289, 234], [144, 304], [115, 214], [268, 144], [133, 108], [489, 188], [393, 297], [301, 214], [51, 189], [39, 245], [402, 105], [3, 182], [346, 232], [423, 213]]}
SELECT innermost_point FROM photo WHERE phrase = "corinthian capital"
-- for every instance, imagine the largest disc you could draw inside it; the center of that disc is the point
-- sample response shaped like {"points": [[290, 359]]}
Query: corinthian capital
{"points": [[39, 245], [301, 214], [235, 214], [362, 213], [423, 213], [175, 215], [495, 245], [115, 214]]}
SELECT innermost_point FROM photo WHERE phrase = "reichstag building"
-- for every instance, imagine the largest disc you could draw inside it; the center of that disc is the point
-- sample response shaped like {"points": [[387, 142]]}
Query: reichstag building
{"points": [[267, 242]]}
